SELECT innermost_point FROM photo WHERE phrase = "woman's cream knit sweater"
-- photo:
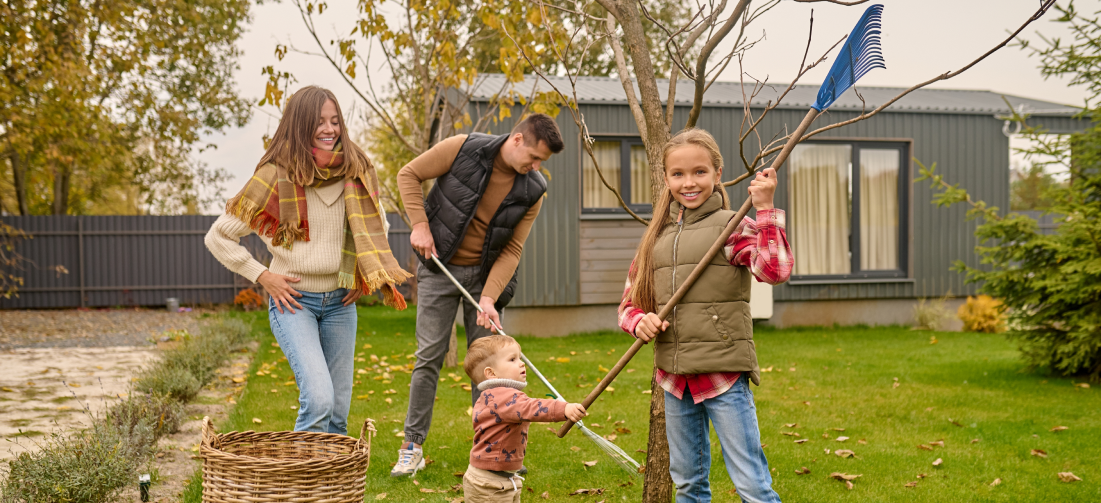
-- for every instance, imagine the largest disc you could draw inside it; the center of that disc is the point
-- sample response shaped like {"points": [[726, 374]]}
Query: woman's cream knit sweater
{"points": [[316, 262]]}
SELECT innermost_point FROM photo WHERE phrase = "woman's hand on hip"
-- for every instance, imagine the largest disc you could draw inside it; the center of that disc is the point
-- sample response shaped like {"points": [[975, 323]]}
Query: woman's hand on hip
{"points": [[649, 327], [276, 286], [488, 314], [352, 296]]}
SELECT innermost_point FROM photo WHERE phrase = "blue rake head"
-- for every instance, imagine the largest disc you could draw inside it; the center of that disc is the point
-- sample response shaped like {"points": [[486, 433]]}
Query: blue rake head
{"points": [[860, 54]]}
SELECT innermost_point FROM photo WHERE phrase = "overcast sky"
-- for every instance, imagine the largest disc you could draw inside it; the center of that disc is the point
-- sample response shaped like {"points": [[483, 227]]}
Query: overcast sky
{"points": [[921, 39]]}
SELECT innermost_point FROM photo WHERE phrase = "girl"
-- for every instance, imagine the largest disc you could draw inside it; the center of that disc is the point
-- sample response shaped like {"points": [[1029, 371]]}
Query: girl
{"points": [[313, 201], [706, 344]]}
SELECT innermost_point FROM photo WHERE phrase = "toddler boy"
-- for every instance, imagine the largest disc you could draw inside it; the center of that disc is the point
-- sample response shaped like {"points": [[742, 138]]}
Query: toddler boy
{"points": [[501, 418]]}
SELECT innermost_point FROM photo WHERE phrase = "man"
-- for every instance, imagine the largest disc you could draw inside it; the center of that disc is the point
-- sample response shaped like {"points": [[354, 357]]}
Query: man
{"points": [[488, 191]]}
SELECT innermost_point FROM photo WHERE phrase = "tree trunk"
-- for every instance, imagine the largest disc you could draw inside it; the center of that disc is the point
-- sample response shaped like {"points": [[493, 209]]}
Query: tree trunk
{"points": [[452, 358], [19, 181], [658, 485], [62, 177]]}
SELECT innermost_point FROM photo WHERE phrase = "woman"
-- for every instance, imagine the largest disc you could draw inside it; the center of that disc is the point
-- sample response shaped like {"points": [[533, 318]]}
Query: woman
{"points": [[313, 201]]}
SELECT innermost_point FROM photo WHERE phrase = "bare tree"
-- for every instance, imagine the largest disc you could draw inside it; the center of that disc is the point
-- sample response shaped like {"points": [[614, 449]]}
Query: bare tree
{"points": [[691, 47]]}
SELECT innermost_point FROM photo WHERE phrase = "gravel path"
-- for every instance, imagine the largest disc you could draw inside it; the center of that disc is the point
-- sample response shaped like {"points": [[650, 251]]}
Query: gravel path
{"points": [[89, 329]]}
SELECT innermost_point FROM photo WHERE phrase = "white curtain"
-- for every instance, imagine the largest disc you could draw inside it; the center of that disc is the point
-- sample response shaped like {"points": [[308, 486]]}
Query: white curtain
{"points": [[821, 208], [640, 176], [878, 209], [594, 193]]}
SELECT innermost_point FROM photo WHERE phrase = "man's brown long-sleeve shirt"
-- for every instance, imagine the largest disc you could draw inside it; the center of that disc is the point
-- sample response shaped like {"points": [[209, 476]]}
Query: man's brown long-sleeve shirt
{"points": [[433, 164]]}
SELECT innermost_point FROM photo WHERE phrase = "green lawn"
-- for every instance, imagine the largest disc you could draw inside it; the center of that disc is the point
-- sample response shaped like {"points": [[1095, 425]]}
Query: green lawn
{"points": [[963, 388]]}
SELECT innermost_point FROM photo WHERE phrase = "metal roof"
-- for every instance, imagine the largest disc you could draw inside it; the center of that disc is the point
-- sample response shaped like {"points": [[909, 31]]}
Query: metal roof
{"points": [[609, 90]]}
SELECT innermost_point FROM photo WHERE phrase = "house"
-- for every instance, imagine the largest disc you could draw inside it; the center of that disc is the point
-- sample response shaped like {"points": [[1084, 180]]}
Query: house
{"points": [[868, 244]]}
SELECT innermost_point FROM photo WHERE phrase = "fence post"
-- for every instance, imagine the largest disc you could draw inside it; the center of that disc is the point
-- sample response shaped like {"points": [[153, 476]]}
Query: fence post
{"points": [[80, 259]]}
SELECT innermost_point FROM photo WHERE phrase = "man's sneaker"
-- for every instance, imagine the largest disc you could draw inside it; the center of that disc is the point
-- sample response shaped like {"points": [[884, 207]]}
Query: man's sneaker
{"points": [[522, 471], [410, 461]]}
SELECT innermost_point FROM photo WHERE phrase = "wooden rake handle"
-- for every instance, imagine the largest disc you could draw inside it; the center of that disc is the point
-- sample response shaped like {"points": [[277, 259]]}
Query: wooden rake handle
{"points": [[696, 272]]}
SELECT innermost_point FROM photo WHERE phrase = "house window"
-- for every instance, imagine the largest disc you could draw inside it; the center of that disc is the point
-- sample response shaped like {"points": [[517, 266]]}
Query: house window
{"points": [[623, 163], [848, 214]]}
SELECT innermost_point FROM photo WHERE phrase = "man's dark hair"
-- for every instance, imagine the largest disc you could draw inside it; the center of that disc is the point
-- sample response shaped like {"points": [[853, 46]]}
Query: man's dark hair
{"points": [[540, 127]]}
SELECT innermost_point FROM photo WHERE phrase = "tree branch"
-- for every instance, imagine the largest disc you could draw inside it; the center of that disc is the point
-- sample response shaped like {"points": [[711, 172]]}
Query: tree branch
{"points": [[705, 54]]}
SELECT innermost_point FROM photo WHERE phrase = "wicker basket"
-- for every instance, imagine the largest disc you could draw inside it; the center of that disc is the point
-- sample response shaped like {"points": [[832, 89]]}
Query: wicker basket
{"points": [[284, 466]]}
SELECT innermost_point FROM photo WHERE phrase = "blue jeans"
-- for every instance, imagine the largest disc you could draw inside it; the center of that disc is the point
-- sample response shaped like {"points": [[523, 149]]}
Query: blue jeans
{"points": [[320, 343], [735, 420]]}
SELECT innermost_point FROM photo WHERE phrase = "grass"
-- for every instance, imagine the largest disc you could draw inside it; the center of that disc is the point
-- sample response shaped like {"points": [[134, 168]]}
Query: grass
{"points": [[965, 387]]}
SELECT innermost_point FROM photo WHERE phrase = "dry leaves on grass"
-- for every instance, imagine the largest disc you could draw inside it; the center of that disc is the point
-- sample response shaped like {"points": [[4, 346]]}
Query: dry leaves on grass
{"points": [[545, 495], [1038, 453], [844, 453], [801, 440], [802, 471], [1068, 477], [844, 477], [938, 462], [791, 434], [589, 463], [575, 448], [611, 437], [380, 496], [593, 491], [924, 447], [257, 420], [996, 482], [1057, 429], [791, 425], [910, 484], [1082, 385], [842, 439]]}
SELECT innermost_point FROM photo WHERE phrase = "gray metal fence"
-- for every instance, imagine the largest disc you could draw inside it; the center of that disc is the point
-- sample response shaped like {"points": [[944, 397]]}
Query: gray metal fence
{"points": [[100, 261]]}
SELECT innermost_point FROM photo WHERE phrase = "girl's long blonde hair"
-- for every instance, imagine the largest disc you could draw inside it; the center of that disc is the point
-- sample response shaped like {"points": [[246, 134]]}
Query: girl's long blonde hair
{"points": [[291, 146], [642, 285]]}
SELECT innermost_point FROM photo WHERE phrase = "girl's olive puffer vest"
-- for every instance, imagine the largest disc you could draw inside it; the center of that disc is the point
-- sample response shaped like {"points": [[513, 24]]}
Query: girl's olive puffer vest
{"points": [[711, 329]]}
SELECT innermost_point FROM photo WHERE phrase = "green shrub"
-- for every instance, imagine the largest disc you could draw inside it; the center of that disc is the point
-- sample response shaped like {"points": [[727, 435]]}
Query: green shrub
{"points": [[185, 369], [156, 414], [171, 381], [88, 466], [929, 314]]}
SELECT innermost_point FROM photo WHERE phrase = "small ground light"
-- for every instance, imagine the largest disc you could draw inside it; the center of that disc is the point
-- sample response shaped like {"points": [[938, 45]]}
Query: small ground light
{"points": [[143, 485]]}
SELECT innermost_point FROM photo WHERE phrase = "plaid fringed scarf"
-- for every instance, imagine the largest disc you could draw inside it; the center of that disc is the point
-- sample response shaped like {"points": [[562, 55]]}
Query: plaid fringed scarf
{"points": [[275, 207]]}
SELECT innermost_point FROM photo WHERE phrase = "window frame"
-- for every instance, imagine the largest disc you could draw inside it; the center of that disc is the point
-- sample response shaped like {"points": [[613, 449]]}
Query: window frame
{"points": [[904, 212], [625, 144]]}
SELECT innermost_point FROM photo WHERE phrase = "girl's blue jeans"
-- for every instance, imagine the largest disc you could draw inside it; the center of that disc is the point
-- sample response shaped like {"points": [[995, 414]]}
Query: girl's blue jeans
{"points": [[319, 342], [735, 419]]}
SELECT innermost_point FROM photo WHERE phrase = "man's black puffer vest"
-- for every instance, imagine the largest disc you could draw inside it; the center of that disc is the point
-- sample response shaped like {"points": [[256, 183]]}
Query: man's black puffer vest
{"points": [[451, 205]]}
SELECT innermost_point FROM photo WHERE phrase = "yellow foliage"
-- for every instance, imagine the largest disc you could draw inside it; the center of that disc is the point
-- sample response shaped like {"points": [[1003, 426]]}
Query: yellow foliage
{"points": [[982, 314]]}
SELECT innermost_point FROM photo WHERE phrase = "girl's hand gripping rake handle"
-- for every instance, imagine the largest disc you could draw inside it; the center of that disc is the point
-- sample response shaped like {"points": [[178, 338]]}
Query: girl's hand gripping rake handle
{"points": [[684, 287]]}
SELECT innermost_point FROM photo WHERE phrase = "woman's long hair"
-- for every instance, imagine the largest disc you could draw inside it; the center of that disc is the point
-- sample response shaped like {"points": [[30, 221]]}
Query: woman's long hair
{"points": [[292, 145], [642, 285]]}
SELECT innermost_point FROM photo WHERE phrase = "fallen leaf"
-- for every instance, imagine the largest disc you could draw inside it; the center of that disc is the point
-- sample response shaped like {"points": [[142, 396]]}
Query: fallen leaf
{"points": [[844, 453], [925, 447], [974, 440], [806, 403], [595, 425], [601, 368], [801, 440], [802, 471], [910, 484], [842, 439], [465, 387], [610, 437], [1059, 428], [361, 397], [238, 379], [400, 434], [862, 442], [921, 475], [389, 401], [545, 495], [938, 443], [933, 340], [562, 360], [1068, 477], [996, 482], [838, 429], [791, 425], [599, 490], [953, 421], [74, 385], [575, 448], [790, 433], [7, 389], [470, 411], [895, 384], [938, 462], [257, 420], [1038, 453], [844, 477], [646, 392], [459, 474], [767, 370], [610, 389], [1082, 385], [589, 463]]}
